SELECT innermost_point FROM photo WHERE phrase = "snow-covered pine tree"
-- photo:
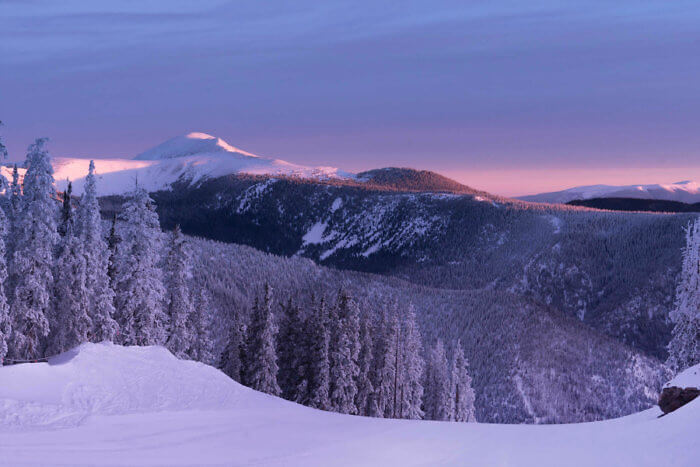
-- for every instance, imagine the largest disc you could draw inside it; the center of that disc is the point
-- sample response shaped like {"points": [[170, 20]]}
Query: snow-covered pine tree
{"points": [[140, 294], [411, 381], [318, 375], [97, 282], [291, 353], [113, 240], [261, 358], [684, 347], [201, 346], [3, 148], [365, 390], [390, 364], [461, 388], [344, 354], [178, 273], [66, 210], [231, 361], [437, 400], [5, 324], [14, 211], [70, 322], [32, 260]]}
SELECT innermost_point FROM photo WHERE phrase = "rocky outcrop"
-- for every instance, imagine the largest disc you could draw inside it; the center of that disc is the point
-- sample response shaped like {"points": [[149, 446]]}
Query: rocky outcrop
{"points": [[674, 397]]}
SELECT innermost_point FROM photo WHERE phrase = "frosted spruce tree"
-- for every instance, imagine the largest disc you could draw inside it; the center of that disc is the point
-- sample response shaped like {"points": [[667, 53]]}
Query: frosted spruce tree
{"points": [[201, 347], [462, 393], [70, 322], [5, 324], [261, 357], [437, 400], [291, 353], [14, 215], [411, 381], [178, 274], [140, 294], [318, 376], [32, 261], [684, 347], [389, 365], [231, 361], [365, 390], [97, 284], [344, 354]]}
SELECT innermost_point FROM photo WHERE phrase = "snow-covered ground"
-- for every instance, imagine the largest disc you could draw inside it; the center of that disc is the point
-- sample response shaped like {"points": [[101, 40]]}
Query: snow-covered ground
{"points": [[193, 157], [103, 404]]}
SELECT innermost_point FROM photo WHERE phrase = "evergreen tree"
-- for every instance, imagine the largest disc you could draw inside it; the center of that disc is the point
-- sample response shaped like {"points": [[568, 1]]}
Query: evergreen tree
{"points": [[201, 346], [684, 347], [365, 389], [178, 272], [66, 210], [140, 294], [97, 282], [291, 353], [261, 358], [411, 380], [345, 349], [70, 322], [462, 392], [113, 245], [231, 361], [318, 375], [32, 260], [5, 323], [437, 401], [390, 365], [3, 148]]}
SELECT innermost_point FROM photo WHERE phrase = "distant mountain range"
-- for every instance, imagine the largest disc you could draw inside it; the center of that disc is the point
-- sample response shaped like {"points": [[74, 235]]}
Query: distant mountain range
{"points": [[686, 192]]}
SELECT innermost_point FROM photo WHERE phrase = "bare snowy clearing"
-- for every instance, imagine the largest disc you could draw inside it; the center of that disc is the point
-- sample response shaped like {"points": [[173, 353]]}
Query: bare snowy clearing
{"points": [[142, 406]]}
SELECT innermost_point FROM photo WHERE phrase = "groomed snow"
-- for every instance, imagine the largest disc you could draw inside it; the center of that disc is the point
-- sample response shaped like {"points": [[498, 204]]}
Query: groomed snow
{"points": [[103, 404]]}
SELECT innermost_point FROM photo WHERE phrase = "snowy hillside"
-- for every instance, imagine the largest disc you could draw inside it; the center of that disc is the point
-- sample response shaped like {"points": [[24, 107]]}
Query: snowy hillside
{"points": [[103, 404], [191, 158], [686, 191]]}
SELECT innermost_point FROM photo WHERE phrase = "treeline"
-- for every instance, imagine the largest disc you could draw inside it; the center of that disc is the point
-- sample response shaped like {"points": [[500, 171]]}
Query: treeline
{"points": [[331, 356], [63, 283]]}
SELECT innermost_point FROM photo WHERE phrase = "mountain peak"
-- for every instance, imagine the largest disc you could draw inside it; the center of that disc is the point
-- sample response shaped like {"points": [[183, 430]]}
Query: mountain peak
{"points": [[189, 145]]}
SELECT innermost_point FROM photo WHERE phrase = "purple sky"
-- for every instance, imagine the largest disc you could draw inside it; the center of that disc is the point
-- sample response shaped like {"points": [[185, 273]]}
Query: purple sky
{"points": [[509, 96]]}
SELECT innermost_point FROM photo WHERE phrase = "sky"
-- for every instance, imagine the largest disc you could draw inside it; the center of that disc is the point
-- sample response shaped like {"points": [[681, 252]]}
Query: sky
{"points": [[513, 97]]}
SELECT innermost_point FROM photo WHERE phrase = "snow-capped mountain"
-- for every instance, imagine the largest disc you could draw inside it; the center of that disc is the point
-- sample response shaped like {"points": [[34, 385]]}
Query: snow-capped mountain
{"points": [[190, 158], [686, 191]]}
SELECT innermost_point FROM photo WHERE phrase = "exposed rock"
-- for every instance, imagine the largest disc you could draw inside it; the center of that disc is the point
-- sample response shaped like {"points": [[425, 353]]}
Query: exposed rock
{"points": [[675, 397]]}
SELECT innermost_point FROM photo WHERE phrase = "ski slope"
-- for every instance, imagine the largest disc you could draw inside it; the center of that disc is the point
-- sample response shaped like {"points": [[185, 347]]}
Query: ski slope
{"points": [[103, 404]]}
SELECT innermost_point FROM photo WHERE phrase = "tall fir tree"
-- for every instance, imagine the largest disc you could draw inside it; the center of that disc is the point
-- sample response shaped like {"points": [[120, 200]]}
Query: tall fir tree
{"points": [[389, 365], [318, 374], [344, 354], [97, 282], [261, 357], [364, 400], [201, 347], [231, 361], [411, 360], [70, 322], [178, 274], [291, 353], [5, 323], [437, 400], [462, 393], [140, 294], [684, 347], [66, 210], [32, 261], [113, 240]]}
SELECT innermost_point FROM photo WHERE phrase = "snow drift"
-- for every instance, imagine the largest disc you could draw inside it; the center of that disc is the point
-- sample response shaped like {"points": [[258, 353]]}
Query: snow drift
{"points": [[106, 404]]}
